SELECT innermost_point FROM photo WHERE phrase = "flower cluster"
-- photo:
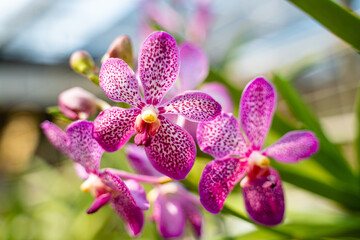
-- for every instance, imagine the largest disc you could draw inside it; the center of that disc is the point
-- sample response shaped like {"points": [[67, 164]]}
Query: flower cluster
{"points": [[161, 117]]}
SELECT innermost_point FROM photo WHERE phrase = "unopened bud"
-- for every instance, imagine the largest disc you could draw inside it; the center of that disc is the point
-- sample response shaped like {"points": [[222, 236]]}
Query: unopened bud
{"points": [[81, 62], [77, 103], [120, 48]]}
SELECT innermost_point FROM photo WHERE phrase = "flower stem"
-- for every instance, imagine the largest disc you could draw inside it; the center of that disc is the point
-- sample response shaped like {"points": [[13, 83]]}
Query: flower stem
{"points": [[140, 178]]}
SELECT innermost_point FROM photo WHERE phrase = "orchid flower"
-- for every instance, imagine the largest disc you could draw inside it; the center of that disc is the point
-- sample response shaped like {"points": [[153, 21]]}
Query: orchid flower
{"points": [[237, 155], [128, 198], [171, 149], [172, 203]]}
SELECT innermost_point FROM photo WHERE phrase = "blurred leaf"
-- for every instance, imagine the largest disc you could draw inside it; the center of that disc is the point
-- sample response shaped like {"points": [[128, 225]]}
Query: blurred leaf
{"points": [[357, 140], [55, 112], [338, 20], [329, 156]]}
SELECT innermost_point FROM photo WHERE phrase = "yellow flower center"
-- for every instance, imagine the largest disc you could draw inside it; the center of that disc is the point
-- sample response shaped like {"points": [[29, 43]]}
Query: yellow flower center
{"points": [[149, 115], [259, 159]]}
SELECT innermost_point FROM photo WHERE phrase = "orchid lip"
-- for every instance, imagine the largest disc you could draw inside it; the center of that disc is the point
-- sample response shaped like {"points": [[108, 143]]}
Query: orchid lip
{"points": [[94, 185], [149, 114]]}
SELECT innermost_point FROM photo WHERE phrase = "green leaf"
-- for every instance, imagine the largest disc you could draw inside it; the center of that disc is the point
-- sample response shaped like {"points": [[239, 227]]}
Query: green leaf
{"points": [[338, 20], [357, 140], [329, 156]]}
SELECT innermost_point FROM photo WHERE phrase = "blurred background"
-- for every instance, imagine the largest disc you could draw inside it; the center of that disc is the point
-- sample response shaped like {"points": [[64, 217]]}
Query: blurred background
{"points": [[39, 197]]}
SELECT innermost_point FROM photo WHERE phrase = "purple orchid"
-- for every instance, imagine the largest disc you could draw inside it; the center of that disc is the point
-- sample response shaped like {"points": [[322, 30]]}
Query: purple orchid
{"points": [[128, 198], [171, 149], [172, 203], [222, 138]]}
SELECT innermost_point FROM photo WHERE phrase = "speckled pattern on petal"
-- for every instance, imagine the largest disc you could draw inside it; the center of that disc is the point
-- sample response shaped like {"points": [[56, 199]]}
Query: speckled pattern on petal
{"points": [[217, 180], [293, 147], [124, 203], [195, 106], [84, 148], [257, 107], [158, 66], [221, 94], [114, 126], [194, 66], [172, 150], [220, 136], [56, 137], [264, 199], [118, 81]]}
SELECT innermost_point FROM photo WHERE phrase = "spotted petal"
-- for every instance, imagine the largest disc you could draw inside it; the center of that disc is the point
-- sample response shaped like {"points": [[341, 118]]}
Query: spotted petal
{"points": [[114, 126], [194, 105], [56, 136], [220, 93], [172, 150], [139, 161], [220, 137], [264, 199], [118, 82], [293, 147], [169, 216], [217, 180], [257, 107], [124, 203], [158, 66], [194, 66], [84, 148]]}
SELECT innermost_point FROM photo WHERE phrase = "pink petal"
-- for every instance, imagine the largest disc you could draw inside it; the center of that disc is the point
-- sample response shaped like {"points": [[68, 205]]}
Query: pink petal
{"points": [[194, 216], [84, 148], [217, 180], [77, 103], [257, 106], [118, 81], [99, 202], [172, 150], [293, 147], [194, 105], [158, 66], [80, 171], [124, 203], [169, 216], [114, 126], [220, 137], [264, 199], [194, 66], [139, 161], [56, 137], [138, 193], [189, 126], [220, 93]]}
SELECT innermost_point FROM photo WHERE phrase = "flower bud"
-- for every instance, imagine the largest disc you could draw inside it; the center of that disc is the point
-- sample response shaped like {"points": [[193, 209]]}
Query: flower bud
{"points": [[120, 48], [77, 103], [81, 62]]}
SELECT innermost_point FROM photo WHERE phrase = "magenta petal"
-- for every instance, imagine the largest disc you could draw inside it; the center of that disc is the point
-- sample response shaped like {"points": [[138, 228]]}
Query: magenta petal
{"points": [[264, 199], [194, 66], [220, 93], [124, 204], [56, 137], [158, 66], [139, 161], [293, 147], [99, 202], [172, 150], [217, 180], [169, 216], [194, 105], [84, 148], [118, 81], [138, 193], [114, 126], [220, 137], [257, 106]]}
